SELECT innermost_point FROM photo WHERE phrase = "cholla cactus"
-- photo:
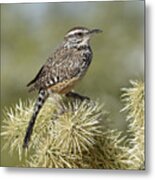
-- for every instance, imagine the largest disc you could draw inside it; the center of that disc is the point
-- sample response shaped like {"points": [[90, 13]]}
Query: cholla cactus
{"points": [[74, 134], [134, 106], [63, 131]]}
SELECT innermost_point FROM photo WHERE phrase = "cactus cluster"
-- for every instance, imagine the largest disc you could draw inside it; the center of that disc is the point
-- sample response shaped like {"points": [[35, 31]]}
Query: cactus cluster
{"points": [[74, 134]]}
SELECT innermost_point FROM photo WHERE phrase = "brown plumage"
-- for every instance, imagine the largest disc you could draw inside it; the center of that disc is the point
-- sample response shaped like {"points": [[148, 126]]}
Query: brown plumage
{"points": [[62, 70], [66, 64]]}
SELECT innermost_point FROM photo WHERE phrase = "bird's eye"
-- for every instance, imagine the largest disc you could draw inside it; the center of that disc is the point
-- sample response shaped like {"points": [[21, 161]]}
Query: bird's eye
{"points": [[79, 34]]}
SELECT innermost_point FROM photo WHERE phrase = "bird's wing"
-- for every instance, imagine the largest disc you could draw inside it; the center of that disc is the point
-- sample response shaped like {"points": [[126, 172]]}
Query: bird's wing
{"points": [[62, 66]]}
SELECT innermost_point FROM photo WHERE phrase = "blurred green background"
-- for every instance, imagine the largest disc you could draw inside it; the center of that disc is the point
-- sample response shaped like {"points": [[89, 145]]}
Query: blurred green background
{"points": [[30, 33]]}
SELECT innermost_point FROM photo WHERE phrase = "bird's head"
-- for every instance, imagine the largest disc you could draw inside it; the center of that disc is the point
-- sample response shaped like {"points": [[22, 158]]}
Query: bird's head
{"points": [[80, 36]]}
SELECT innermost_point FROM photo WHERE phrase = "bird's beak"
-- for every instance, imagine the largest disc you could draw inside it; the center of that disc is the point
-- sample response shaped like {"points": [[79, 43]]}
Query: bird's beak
{"points": [[94, 31]]}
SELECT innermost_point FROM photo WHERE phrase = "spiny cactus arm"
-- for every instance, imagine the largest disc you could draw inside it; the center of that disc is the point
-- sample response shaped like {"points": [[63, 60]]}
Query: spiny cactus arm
{"points": [[133, 98], [73, 134]]}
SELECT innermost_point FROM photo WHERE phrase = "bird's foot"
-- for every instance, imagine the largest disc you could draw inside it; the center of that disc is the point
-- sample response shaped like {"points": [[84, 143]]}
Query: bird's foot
{"points": [[77, 96]]}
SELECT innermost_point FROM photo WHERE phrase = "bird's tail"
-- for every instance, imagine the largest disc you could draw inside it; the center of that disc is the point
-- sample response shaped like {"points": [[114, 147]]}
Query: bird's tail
{"points": [[38, 105]]}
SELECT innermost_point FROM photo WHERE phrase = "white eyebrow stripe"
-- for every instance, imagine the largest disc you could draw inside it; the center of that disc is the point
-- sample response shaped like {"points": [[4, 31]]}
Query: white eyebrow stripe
{"points": [[76, 31]]}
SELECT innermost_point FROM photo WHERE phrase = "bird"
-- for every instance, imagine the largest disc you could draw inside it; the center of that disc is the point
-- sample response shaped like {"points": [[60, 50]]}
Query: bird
{"points": [[62, 70]]}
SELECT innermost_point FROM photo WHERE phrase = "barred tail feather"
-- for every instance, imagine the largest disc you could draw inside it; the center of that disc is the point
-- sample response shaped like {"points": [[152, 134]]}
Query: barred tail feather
{"points": [[38, 105]]}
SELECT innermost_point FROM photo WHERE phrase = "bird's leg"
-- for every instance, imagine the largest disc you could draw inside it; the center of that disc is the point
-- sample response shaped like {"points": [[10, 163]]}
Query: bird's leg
{"points": [[77, 96]]}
